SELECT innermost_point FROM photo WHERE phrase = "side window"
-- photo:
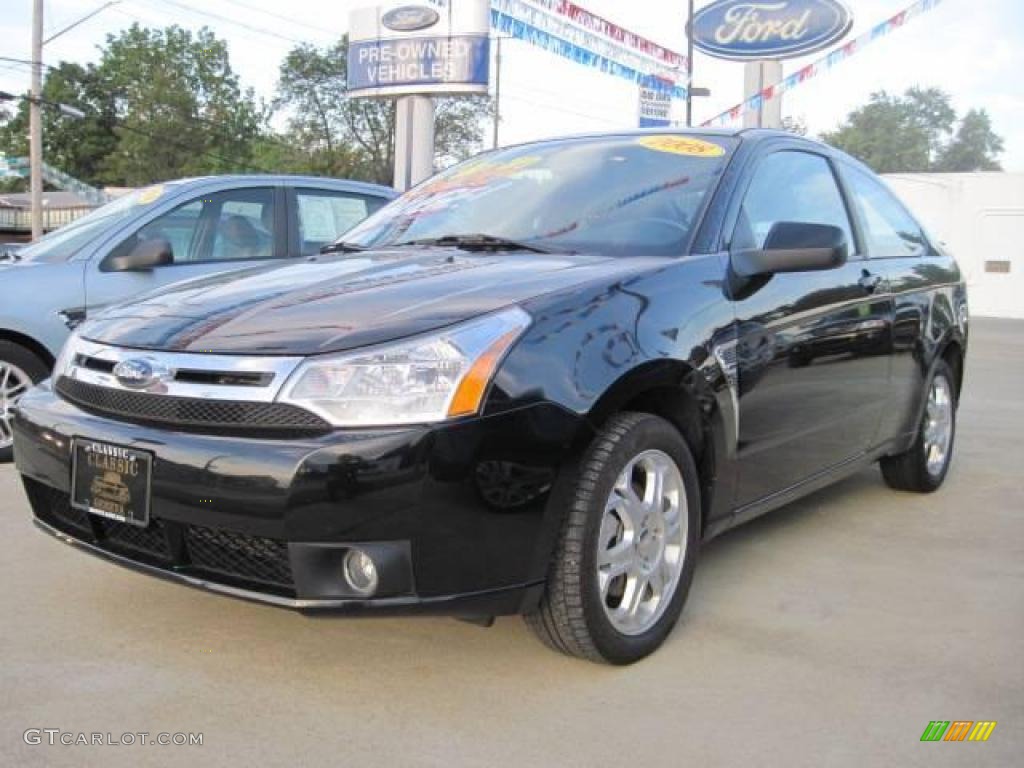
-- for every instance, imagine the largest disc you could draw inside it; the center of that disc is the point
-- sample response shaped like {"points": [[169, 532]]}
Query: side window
{"points": [[241, 224], [238, 224], [790, 186], [888, 229], [325, 216], [179, 227]]}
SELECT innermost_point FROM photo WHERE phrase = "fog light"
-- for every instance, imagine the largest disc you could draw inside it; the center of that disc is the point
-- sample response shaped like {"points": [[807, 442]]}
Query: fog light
{"points": [[360, 572]]}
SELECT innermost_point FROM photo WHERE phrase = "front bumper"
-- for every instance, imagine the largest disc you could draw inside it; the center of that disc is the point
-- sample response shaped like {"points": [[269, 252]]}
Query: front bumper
{"points": [[460, 517]]}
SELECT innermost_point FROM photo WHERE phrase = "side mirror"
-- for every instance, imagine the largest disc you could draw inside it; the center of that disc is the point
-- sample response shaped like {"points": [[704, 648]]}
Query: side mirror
{"points": [[793, 246], [143, 255]]}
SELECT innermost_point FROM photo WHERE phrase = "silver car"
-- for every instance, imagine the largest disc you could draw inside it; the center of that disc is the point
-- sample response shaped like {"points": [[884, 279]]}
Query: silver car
{"points": [[149, 238]]}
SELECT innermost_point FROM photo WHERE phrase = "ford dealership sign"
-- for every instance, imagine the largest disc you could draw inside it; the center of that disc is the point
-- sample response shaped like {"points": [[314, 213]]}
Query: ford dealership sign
{"points": [[769, 29]]}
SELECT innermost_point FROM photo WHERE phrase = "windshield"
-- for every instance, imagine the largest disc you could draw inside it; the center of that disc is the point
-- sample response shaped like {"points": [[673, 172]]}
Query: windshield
{"points": [[63, 243], [633, 195]]}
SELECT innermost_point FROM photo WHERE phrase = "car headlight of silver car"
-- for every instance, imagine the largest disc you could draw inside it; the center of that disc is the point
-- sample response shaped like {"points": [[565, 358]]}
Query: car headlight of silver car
{"points": [[430, 378], [66, 356]]}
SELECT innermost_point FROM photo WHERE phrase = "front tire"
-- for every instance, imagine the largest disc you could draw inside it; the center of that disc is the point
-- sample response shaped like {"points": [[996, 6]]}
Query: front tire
{"points": [[628, 546], [19, 370], [923, 468]]}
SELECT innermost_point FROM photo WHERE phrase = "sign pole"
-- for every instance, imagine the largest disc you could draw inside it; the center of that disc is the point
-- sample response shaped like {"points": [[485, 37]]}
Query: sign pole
{"points": [[497, 87], [689, 67], [35, 120], [414, 140]]}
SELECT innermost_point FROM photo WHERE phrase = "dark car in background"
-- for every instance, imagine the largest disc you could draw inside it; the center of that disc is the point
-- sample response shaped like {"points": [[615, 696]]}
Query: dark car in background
{"points": [[150, 238], [533, 384]]}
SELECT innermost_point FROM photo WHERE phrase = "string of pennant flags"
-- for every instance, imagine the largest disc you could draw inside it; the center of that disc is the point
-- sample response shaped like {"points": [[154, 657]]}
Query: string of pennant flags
{"points": [[567, 30], [570, 31], [823, 64]]}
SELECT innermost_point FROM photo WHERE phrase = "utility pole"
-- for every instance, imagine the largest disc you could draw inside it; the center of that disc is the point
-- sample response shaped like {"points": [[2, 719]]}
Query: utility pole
{"points": [[35, 121], [497, 88], [689, 67]]}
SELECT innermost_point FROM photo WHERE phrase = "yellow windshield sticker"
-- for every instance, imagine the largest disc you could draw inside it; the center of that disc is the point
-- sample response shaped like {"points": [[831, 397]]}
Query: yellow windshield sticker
{"points": [[682, 145], [151, 194]]}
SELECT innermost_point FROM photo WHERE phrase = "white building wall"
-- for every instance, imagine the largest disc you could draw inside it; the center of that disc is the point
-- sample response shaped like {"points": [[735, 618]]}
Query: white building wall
{"points": [[980, 218]]}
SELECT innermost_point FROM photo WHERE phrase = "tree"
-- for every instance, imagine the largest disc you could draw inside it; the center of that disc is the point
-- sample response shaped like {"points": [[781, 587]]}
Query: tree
{"points": [[160, 104], [344, 136], [76, 146], [975, 146], [915, 133], [179, 105]]}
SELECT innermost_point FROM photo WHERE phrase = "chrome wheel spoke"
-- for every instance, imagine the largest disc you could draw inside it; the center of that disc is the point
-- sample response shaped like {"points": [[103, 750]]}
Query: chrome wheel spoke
{"points": [[642, 542], [14, 382], [615, 562], [937, 432]]}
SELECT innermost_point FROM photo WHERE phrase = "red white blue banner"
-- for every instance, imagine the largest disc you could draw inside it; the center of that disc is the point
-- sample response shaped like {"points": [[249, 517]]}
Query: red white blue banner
{"points": [[566, 29]]}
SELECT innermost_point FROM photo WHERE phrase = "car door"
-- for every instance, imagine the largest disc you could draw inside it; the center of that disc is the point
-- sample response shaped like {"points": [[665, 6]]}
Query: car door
{"points": [[898, 247], [208, 233], [320, 216], [812, 347]]}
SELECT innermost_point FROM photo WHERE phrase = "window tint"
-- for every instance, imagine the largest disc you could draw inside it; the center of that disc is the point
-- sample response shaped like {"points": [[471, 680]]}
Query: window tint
{"points": [[325, 216], [177, 227], [889, 230], [238, 224], [242, 224], [790, 186]]}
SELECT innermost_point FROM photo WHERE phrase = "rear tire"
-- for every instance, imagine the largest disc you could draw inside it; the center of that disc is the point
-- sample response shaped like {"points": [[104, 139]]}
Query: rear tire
{"points": [[923, 468], [20, 368], [628, 546]]}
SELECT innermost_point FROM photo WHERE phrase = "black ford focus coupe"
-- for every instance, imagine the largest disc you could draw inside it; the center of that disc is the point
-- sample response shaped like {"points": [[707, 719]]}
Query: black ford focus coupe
{"points": [[533, 384]]}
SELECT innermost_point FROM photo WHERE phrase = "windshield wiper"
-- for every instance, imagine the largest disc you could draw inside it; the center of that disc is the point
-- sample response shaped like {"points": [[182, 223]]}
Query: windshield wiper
{"points": [[342, 247], [476, 242], [12, 255]]}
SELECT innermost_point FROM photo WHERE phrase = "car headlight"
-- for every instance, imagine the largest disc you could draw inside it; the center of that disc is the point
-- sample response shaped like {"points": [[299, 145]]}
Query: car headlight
{"points": [[66, 356], [420, 380]]}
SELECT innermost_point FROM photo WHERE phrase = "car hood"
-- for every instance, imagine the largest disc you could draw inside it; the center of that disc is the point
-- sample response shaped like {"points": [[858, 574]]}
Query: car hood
{"points": [[334, 303]]}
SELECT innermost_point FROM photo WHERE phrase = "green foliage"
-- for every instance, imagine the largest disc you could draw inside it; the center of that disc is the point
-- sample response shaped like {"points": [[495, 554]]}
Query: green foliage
{"points": [[180, 108], [975, 146], [917, 132], [159, 104], [165, 103]]}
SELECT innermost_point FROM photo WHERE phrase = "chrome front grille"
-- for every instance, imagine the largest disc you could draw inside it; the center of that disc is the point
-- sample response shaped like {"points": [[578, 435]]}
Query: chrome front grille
{"points": [[192, 414], [184, 391]]}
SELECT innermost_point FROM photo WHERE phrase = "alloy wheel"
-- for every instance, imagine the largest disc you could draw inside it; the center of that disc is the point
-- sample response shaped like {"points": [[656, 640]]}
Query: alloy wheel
{"points": [[938, 425], [642, 542], [13, 384]]}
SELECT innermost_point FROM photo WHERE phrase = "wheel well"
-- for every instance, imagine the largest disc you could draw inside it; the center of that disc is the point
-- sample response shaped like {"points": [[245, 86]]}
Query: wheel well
{"points": [[30, 344], [681, 410], [953, 355]]}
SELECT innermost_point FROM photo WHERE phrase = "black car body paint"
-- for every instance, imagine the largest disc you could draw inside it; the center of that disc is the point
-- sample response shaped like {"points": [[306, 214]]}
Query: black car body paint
{"points": [[780, 386]]}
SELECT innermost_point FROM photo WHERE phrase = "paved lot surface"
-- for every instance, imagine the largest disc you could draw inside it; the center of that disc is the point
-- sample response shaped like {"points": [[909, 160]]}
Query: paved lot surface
{"points": [[825, 634]]}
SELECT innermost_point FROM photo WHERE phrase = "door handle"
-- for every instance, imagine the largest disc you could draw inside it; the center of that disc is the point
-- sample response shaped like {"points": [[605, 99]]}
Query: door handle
{"points": [[869, 282]]}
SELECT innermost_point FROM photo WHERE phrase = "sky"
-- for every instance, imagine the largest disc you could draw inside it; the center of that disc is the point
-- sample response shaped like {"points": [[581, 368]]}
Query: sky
{"points": [[973, 49]]}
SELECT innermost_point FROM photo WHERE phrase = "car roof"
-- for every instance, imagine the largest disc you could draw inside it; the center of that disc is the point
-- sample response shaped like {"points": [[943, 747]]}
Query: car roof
{"points": [[745, 134], [287, 179]]}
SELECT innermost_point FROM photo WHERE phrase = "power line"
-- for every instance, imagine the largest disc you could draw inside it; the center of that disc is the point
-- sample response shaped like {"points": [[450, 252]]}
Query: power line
{"points": [[559, 108], [228, 20], [280, 17]]}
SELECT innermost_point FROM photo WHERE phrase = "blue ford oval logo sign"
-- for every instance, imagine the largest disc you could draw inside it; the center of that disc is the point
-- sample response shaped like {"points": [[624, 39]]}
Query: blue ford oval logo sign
{"points": [[410, 18], [135, 374], [769, 29]]}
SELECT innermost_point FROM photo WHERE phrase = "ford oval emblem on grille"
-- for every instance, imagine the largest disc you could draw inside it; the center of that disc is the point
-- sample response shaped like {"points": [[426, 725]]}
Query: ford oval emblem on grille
{"points": [[135, 374], [410, 18]]}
